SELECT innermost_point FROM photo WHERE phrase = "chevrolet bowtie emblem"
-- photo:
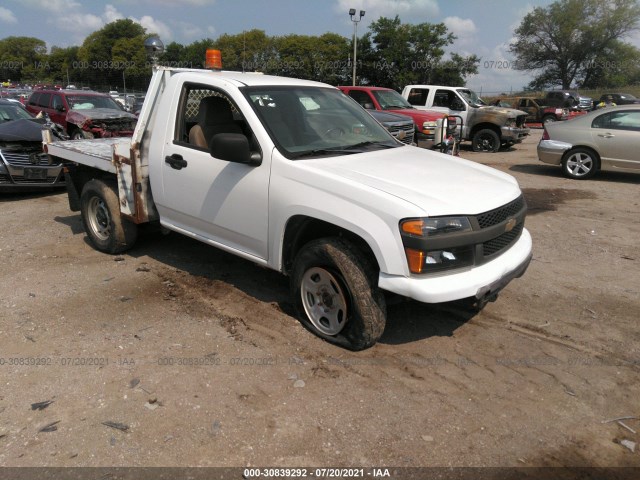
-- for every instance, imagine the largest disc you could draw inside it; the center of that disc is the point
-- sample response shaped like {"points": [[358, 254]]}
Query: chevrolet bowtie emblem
{"points": [[510, 224], [401, 135]]}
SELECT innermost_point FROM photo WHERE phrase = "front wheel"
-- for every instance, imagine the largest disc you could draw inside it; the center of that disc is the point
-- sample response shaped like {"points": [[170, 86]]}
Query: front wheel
{"points": [[486, 140], [335, 294], [107, 230], [580, 164], [549, 119]]}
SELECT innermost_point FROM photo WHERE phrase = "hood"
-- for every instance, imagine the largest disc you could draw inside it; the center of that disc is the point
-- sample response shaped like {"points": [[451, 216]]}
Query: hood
{"points": [[82, 115], [23, 130], [389, 117], [438, 184], [508, 112]]}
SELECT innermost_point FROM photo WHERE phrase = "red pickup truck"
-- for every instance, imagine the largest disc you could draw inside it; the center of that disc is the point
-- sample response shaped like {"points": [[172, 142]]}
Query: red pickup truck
{"points": [[428, 129]]}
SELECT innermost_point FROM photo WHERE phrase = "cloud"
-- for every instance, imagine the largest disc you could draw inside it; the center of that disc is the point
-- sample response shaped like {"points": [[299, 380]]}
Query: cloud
{"points": [[155, 26], [463, 28], [111, 14], [82, 24], [410, 11], [180, 3], [58, 6], [78, 22], [7, 16]]}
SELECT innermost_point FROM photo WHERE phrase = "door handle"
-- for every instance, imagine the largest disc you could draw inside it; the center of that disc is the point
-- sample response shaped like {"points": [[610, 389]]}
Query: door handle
{"points": [[606, 135], [176, 161]]}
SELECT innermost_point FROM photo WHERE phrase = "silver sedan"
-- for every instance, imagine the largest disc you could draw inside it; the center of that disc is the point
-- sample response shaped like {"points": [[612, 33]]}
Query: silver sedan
{"points": [[606, 139]]}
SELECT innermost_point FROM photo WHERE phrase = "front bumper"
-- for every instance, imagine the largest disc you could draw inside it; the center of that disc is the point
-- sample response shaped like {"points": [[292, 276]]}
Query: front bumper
{"points": [[15, 177], [480, 281], [513, 134], [552, 151]]}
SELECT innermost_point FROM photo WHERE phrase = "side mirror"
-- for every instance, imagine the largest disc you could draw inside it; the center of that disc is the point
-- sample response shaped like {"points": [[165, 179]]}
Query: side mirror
{"points": [[233, 147], [60, 108]]}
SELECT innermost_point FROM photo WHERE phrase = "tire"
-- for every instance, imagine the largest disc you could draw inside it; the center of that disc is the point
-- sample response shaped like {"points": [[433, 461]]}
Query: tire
{"points": [[105, 227], [548, 119], [580, 164], [486, 140], [334, 288], [80, 135]]}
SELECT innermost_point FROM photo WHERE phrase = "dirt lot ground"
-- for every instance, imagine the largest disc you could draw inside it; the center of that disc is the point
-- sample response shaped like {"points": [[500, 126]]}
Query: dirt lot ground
{"points": [[197, 353]]}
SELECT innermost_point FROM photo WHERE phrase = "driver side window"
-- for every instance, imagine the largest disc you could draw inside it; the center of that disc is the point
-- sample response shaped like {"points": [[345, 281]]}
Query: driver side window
{"points": [[205, 112]]}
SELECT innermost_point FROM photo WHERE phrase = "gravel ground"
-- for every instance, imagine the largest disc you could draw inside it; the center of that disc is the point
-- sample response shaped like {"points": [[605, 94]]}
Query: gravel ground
{"points": [[178, 354]]}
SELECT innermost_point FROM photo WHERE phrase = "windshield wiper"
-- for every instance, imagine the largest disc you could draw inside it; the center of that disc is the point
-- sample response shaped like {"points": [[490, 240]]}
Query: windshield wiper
{"points": [[407, 107], [368, 143], [346, 150], [324, 151]]}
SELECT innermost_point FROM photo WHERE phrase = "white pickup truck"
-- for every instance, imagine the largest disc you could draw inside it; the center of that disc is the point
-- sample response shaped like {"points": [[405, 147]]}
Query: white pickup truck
{"points": [[296, 176], [487, 127]]}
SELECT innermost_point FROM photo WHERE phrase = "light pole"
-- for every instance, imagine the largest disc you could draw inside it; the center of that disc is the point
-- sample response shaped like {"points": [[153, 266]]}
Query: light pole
{"points": [[352, 14]]}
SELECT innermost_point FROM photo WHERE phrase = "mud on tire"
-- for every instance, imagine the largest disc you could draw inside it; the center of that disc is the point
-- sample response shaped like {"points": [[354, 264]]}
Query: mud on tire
{"points": [[335, 292], [107, 230]]}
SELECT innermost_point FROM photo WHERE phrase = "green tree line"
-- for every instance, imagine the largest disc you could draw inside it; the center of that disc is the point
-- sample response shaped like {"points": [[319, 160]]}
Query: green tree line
{"points": [[390, 54], [570, 43]]}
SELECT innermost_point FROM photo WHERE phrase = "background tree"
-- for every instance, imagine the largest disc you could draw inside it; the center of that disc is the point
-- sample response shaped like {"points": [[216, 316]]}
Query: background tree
{"points": [[115, 48], [395, 54], [565, 41], [23, 58], [246, 51]]}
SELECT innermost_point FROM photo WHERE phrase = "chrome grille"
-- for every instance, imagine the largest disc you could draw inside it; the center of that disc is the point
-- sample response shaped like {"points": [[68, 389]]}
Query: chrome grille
{"points": [[26, 159], [21, 179], [408, 129]]}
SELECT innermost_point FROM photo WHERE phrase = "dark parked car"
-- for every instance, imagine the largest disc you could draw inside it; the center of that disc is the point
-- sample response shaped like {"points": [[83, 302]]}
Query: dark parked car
{"points": [[621, 98], [23, 164], [83, 114], [568, 99]]}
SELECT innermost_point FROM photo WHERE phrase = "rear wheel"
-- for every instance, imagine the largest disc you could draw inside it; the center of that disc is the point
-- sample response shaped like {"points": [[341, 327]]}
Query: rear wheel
{"points": [[549, 119], [486, 140], [335, 293], [107, 230], [580, 164], [78, 134]]}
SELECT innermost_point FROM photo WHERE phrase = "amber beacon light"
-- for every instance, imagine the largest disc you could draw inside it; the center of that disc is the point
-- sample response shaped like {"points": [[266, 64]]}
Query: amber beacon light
{"points": [[213, 59]]}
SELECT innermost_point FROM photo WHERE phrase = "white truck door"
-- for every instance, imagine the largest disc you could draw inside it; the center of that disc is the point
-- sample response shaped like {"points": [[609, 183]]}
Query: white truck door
{"points": [[222, 202], [449, 102]]}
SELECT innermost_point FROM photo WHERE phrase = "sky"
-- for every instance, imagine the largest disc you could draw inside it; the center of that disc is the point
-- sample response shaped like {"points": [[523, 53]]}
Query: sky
{"points": [[483, 27]]}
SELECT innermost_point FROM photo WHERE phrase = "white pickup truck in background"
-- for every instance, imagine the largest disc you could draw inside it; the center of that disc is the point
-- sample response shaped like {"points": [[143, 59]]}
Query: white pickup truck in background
{"points": [[295, 176], [487, 127]]}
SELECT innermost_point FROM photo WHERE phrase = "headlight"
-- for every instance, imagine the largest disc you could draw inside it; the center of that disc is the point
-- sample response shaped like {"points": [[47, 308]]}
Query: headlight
{"points": [[510, 123], [426, 245], [429, 227]]}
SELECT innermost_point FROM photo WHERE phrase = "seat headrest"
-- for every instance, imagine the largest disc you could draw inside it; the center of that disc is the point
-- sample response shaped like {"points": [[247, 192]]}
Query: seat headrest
{"points": [[214, 110]]}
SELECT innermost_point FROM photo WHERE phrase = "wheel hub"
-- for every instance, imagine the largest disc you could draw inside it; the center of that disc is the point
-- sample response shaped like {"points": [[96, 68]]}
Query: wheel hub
{"points": [[324, 300]]}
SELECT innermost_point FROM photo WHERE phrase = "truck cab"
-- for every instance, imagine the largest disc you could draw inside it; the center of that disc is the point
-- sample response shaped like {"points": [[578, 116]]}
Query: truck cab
{"points": [[487, 127]]}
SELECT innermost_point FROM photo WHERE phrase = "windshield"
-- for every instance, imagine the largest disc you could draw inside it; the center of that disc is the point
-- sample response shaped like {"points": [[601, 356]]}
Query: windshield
{"points": [[12, 112], [306, 122], [390, 99], [83, 102], [471, 98]]}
